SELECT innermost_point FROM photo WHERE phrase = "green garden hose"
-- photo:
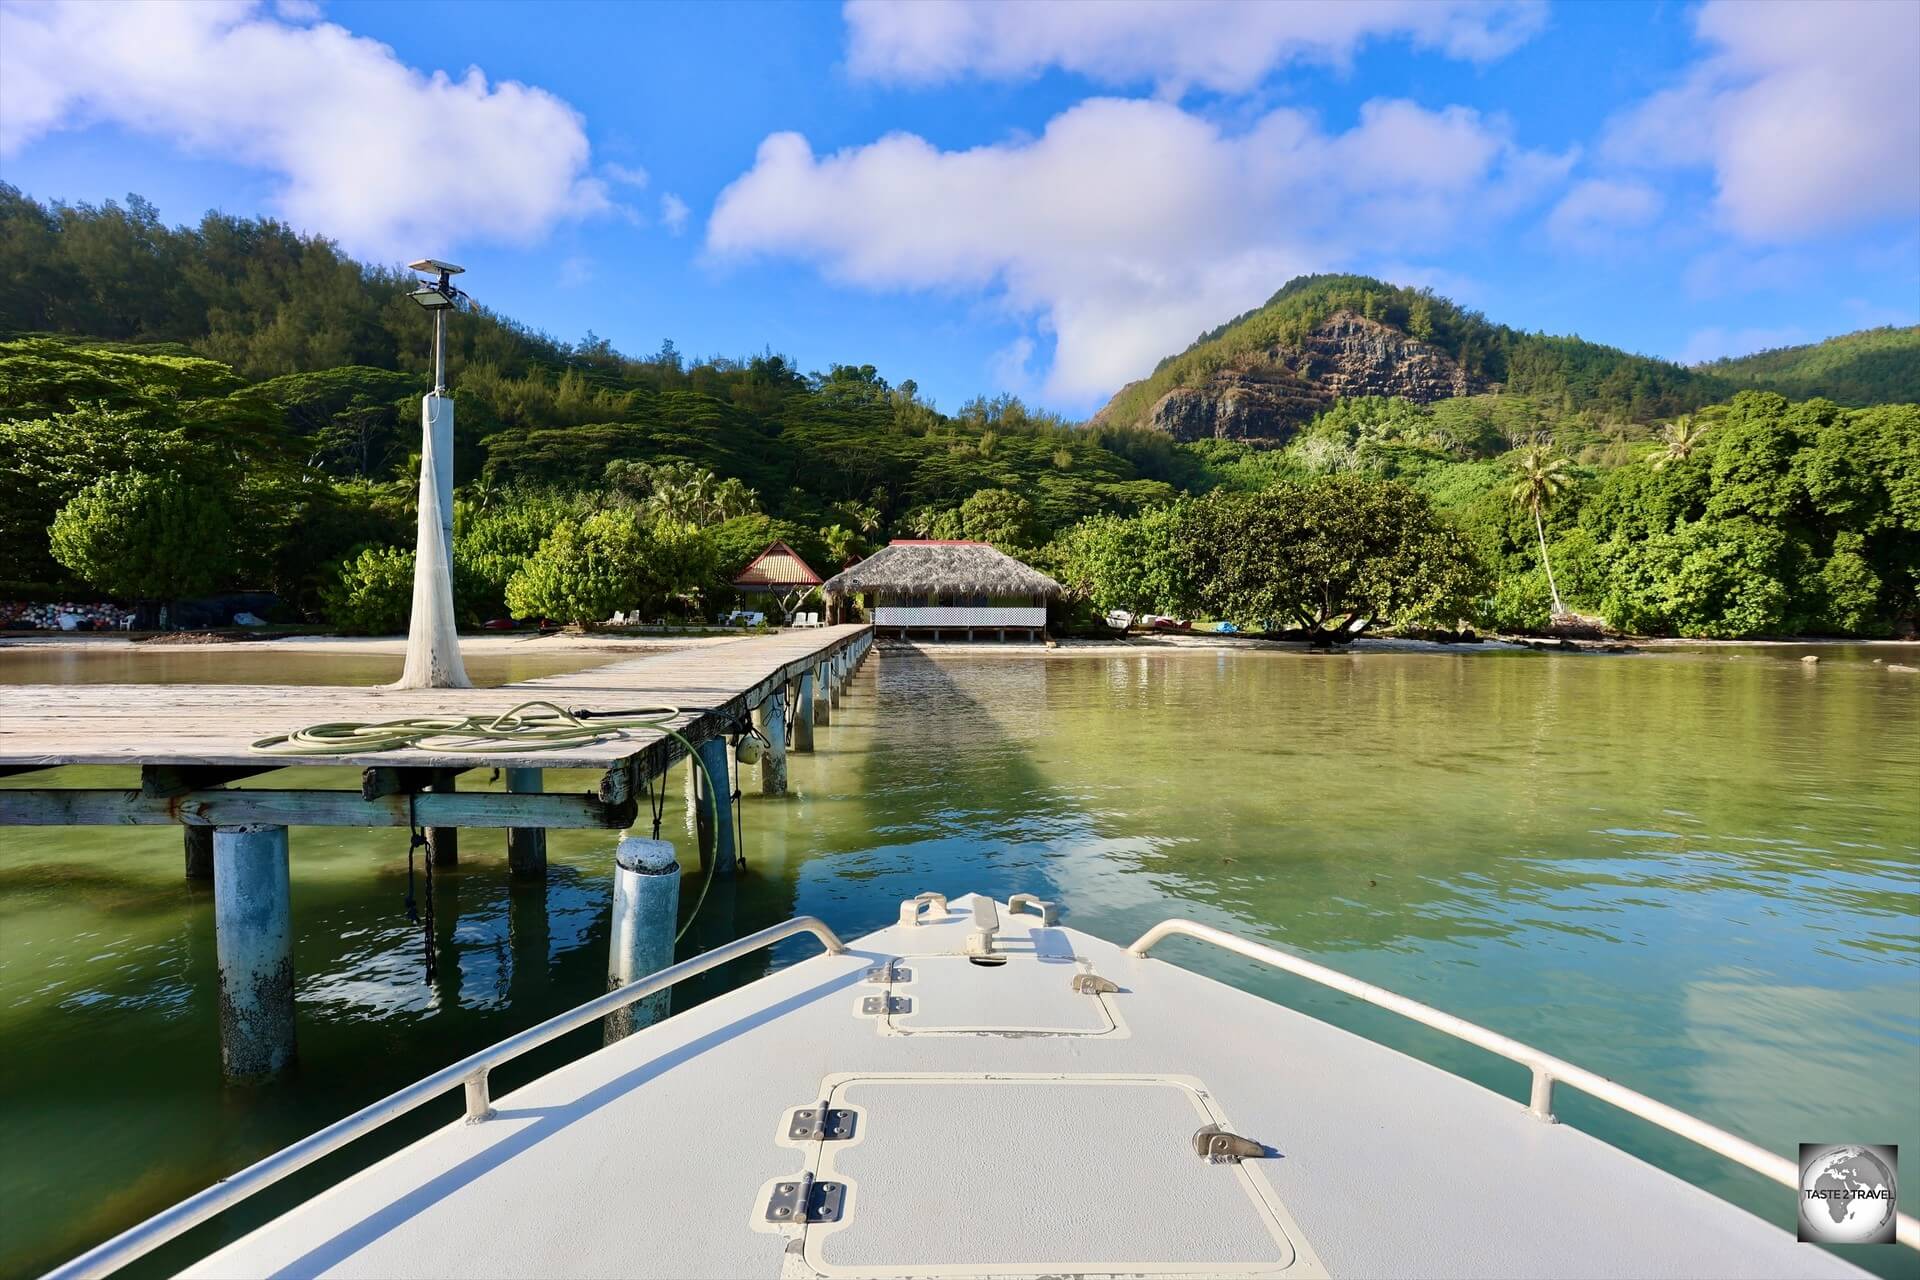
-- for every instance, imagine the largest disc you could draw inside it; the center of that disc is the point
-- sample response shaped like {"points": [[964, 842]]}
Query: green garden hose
{"points": [[546, 727]]}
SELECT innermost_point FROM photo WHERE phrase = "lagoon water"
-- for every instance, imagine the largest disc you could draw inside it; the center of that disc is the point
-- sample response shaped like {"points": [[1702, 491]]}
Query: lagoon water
{"points": [[1694, 870]]}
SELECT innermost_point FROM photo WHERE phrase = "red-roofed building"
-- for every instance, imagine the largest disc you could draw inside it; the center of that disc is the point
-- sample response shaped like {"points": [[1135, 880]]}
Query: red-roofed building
{"points": [[777, 571]]}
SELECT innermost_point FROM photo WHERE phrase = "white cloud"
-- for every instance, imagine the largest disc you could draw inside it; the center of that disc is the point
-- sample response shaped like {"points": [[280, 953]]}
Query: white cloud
{"points": [[1224, 45], [1594, 213], [1711, 344], [1808, 114], [673, 213], [627, 175], [388, 159], [1128, 226]]}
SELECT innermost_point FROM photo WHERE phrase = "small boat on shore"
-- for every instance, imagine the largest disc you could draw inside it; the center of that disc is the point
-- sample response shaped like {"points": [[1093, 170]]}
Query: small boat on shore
{"points": [[977, 1090]]}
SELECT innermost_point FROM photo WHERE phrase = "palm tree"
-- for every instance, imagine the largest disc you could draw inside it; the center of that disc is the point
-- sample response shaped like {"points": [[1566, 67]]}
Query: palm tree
{"points": [[1539, 478], [1683, 436]]}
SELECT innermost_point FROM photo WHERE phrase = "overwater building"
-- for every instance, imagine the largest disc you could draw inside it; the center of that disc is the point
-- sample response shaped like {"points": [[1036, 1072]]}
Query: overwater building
{"points": [[943, 587]]}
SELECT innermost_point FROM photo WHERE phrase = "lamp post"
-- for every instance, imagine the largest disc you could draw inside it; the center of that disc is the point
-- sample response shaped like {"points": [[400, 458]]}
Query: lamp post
{"points": [[433, 644]]}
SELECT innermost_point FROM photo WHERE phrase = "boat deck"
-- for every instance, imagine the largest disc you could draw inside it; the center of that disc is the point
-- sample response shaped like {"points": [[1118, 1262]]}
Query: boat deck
{"points": [[1005, 1124]]}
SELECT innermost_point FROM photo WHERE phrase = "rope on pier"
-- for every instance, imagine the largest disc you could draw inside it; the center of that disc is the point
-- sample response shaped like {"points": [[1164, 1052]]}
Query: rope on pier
{"points": [[546, 726]]}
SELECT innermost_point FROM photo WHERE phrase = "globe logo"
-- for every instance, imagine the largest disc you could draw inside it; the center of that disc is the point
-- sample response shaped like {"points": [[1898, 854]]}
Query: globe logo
{"points": [[1847, 1194]]}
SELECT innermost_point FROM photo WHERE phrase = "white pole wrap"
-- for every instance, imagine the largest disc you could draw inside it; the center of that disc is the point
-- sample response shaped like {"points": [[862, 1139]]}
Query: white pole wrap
{"points": [[433, 645]]}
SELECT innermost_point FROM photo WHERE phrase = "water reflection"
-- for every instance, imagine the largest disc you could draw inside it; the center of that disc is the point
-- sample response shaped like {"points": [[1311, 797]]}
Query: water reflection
{"points": [[1696, 873]]}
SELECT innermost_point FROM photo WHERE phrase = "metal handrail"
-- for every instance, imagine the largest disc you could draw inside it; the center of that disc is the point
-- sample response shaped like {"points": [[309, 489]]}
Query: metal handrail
{"points": [[470, 1071], [1547, 1069]]}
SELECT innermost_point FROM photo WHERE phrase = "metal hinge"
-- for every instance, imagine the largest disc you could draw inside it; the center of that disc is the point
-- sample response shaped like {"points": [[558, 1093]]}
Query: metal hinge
{"points": [[885, 1004], [806, 1201], [1217, 1146], [819, 1123], [882, 974], [1092, 984]]}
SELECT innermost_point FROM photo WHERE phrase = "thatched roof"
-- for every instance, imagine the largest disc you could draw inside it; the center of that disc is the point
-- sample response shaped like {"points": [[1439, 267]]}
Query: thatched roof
{"points": [[777, 567], [966, 568]]}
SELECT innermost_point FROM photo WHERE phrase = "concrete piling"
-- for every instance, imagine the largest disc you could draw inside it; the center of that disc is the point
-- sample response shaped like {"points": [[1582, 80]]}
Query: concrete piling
{"points": [[771, 718], [199, 848], [822, 694], [253, 936], [526, 846], [646, 911], [715, 821], [802, 731], [837, 665]]}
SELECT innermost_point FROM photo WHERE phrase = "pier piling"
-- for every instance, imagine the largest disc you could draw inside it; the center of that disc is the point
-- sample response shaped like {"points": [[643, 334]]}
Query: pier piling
{"points": [[771, 718], [822, 693], [646, 910], [253, 936], [526, 846], [803, 712], [715, 822], [443, 843], [199, 846], [837, 666]]}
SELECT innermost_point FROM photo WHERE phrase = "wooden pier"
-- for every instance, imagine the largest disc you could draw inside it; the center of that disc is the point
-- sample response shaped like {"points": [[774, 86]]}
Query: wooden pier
{"points": [[189, 741]]}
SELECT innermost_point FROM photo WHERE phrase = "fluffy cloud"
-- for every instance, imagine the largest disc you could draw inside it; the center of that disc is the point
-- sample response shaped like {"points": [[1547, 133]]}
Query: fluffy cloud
{"points": [[1592, 215], [1127, 226], [1808, 114], [1224, 45], [389, 159]]}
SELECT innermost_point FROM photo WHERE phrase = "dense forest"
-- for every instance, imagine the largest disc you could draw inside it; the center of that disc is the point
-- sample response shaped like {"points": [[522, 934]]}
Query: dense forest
{"points": [[188, 409]]}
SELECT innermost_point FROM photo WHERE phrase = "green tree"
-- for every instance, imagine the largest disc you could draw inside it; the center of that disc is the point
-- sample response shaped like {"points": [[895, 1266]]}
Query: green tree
{"points": [[148, 537], [371, 592], [999, 516], [1539, 480], [1682, 437], [583, 571]]}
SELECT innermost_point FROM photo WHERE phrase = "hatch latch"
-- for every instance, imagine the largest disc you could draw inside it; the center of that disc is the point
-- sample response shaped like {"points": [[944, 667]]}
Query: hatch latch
{"points": [[1092, 984], [806, 1201], [820, 1123], [1216, 1146]]}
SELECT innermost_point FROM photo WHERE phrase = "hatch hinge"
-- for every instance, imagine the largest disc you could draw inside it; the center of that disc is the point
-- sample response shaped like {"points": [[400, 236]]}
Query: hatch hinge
{"points": [[1215, 1145], [1092, 984], [821, 1123], [805, 1201], [881, 1005], [882, 974]]}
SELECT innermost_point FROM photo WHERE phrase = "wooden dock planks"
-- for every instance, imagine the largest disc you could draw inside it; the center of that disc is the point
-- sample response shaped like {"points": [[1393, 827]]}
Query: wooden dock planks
{"points": [[44, 726]]}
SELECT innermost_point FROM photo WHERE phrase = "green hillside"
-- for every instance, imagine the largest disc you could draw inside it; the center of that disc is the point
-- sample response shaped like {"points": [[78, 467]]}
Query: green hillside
{"points": [[1872, 366], [188, 410], [1568, 373]]}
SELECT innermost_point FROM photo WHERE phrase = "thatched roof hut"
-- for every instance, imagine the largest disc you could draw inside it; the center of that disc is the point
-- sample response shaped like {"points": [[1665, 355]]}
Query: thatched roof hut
{"points": [[778, 570], [905, 568], [936, 586]]}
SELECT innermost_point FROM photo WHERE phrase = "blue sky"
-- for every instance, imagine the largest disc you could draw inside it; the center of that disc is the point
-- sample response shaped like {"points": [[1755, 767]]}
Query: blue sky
{"points": [[1028, 198]]}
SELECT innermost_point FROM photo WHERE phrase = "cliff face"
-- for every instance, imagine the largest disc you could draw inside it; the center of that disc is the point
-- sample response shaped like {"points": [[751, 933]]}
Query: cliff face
{"points": [[1273, 394]]}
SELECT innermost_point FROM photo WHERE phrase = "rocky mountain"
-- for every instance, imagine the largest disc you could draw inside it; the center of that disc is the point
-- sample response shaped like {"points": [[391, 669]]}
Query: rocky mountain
{"points": [[1266, 394], [1263, 375]]}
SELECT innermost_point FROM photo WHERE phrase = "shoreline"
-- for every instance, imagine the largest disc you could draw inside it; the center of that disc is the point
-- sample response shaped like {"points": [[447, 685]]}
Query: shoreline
{"points": [[505, 644]]}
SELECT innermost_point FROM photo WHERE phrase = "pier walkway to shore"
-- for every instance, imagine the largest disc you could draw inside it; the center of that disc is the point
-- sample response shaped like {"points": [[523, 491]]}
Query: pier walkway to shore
{"points": [[189, 741]]}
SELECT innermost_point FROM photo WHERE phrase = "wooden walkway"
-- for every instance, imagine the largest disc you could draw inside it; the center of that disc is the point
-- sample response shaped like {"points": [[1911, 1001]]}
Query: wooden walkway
{"points": [[189, 739]]}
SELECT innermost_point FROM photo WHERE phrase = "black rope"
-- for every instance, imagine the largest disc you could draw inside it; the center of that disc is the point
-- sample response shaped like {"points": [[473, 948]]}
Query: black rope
{"points": [[657, 802]]}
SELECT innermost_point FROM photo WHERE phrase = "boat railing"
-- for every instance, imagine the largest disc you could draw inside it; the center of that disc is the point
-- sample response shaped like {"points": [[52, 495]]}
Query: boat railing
{"points": [[1547, 1070], [470, 1072]]}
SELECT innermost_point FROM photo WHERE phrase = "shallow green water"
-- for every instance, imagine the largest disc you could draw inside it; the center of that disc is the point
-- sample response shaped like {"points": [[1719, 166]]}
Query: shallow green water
{"points": [[1697, 872]]}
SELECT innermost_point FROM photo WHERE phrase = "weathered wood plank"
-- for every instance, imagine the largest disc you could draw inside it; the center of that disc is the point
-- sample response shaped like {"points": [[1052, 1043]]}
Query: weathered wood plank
{"points": [[110, 808], [44, 726]]}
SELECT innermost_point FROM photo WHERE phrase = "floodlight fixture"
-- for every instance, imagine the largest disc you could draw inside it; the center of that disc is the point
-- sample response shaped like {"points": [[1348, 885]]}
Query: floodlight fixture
{"points": [[439, 297]]}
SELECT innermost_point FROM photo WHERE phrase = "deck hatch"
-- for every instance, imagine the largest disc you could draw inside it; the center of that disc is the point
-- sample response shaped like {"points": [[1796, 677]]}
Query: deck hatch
{"points": [[1025, 995], [1058, 1175]]}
